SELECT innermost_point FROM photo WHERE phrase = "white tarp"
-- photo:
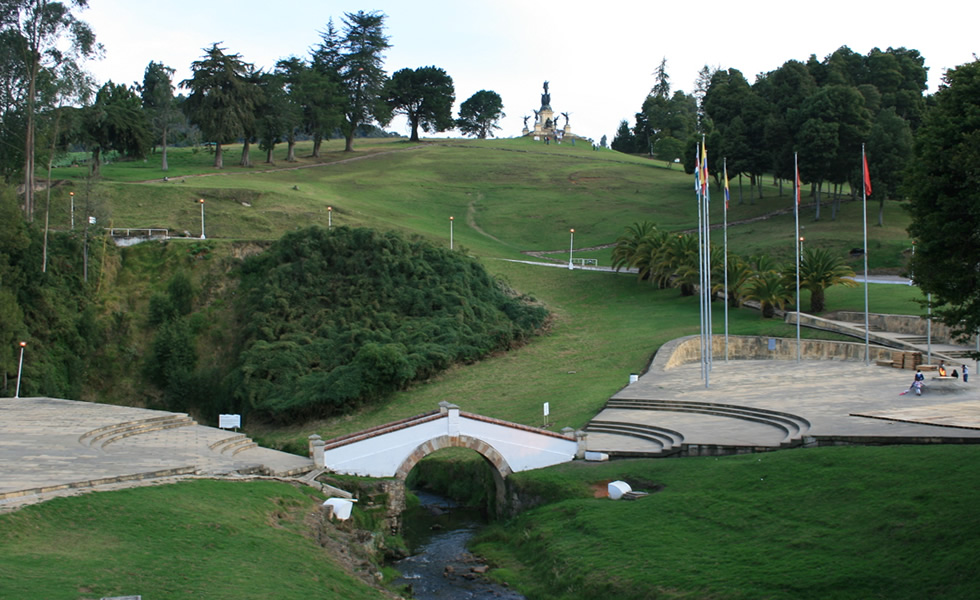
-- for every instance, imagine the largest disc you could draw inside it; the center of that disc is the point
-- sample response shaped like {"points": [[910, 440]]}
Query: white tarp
{"points": [[618, 488], [340, 508]]}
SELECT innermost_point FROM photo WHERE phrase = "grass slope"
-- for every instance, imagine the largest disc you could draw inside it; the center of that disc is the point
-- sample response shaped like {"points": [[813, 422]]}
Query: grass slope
{"points": [[199, 539], [855, 522]]}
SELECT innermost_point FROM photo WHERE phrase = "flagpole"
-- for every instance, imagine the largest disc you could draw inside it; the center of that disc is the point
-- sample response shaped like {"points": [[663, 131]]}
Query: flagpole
{"points": [[864, 210], [698, 189], [726, 259], [796, 242], [709, 322]]}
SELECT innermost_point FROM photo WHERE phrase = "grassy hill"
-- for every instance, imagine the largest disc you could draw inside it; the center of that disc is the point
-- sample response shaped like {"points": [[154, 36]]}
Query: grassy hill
{"points": [[508, 197]]}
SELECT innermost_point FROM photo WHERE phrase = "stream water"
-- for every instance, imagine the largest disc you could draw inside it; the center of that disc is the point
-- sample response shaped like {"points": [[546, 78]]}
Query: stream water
{"points": [[440, 568]]}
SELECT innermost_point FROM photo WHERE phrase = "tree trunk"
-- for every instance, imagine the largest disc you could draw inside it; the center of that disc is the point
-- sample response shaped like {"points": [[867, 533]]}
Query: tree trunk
{"points": [[768, 310], [29, 140], [163, 147], [759, 179], [740, 201], [96, 161], [246, 154], [219, 160], [817, 300], [291, 147], [816, 215], [837, 202], [349, 135], [415, 130], [881, 211], [268, 155], [317, 140]]}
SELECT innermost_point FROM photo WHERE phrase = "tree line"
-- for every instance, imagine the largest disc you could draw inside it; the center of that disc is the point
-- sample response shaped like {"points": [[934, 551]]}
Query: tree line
{"points": [[824, 110], [48, 102], [671, 260]]}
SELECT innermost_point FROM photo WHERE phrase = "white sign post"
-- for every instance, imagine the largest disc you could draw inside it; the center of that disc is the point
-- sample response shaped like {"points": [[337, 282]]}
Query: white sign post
{"points": [[229, 421], [547, 411]]}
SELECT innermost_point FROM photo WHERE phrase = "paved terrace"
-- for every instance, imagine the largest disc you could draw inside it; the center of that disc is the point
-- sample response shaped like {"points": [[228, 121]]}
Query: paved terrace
{"points": [[766, 404], [52, 447]]}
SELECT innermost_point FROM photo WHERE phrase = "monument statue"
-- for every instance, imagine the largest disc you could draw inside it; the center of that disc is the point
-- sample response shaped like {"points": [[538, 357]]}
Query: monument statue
{"points": [[545, 97], [566, 118], [525, 122]]}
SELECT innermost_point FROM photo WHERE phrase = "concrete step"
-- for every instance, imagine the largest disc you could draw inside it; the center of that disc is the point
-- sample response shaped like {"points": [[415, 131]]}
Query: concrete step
{"points": [[792, 426], [103, 436]]}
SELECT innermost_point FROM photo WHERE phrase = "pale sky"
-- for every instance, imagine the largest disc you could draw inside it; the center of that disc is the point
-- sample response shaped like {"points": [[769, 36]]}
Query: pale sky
{"points": [[598, 56]]}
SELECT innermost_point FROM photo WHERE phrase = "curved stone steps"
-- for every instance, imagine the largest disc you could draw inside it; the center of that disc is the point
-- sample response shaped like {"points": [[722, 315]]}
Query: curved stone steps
{"points": [[234, 444], [669, 441], [103, 436], [794, 427]]}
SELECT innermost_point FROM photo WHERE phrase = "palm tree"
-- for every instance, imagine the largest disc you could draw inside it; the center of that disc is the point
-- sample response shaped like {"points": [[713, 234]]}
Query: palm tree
{"points": [[628, 244], [771, 290], [739, 275], [651, 259], [681, 257], [819, 270]]}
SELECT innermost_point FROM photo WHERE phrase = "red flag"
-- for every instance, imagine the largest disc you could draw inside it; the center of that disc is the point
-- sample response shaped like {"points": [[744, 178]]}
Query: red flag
{"points": [[867, 176]]}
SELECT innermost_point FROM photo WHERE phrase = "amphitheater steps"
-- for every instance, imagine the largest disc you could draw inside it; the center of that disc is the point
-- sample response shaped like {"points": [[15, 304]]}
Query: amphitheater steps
{"points": [[668, 441], [793, 426], [103, 436], [234, 444]]}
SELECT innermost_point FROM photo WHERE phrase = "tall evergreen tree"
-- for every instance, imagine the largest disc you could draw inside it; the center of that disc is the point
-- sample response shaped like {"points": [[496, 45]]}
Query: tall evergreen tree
{"points": [[357, 56], [222, 98], [157, 92], [945, 203]]}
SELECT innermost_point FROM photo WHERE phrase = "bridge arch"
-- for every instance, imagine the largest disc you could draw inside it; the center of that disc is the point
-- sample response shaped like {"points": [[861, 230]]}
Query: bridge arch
{"points": [[498, 464]]}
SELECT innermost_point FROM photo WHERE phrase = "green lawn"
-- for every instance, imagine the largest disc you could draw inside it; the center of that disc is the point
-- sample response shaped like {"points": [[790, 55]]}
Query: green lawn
{"points": [[196, 539], [856, 522]]}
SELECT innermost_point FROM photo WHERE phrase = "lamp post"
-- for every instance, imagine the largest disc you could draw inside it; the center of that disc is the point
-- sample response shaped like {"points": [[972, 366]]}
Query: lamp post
{"points": [[20, 367], [201, 202], [801, 244], [571, 244], [329, 217], [72, 195], [451, 219]]}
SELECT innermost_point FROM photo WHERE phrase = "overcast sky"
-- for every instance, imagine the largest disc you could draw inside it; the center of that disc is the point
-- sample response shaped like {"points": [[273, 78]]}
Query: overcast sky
{"points": [[599, 56]]}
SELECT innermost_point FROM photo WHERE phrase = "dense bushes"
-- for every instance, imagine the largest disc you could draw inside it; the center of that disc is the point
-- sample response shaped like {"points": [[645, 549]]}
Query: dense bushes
{"points": [[333, 318]]}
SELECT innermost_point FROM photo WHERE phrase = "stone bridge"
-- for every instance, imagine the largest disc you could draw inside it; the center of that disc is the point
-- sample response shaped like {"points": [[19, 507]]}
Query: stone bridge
{"points": [[392, 450]]}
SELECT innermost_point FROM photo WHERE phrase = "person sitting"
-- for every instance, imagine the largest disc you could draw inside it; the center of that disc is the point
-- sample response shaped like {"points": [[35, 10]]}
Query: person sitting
{"points": [[955, 374], [942, 369]]}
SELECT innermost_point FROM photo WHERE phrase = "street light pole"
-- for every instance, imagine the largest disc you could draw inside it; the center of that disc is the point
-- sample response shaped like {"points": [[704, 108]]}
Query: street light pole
{"points": [[72, 194], [20, 368], [329, 217], [571, 244], [201, 202], [451, 219]]}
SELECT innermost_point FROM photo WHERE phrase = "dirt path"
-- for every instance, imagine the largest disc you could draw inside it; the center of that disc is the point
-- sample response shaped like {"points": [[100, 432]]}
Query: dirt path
{"points": [[280, 169]]}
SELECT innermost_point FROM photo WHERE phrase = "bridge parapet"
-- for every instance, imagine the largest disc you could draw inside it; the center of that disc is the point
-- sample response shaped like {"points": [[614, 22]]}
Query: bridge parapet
{"points": [[391, 450]]}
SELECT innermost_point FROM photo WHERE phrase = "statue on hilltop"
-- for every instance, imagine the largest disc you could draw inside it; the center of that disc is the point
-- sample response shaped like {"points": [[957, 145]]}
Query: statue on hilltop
{"points": [[545, 97]]}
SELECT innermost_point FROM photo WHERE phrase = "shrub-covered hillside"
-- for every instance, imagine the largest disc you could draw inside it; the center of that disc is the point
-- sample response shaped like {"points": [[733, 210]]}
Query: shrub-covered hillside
{"points": [[333, 318]]}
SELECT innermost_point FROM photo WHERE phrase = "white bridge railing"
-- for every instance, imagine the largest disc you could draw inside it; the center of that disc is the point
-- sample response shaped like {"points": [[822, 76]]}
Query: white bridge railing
{"points": [[138, 232]]}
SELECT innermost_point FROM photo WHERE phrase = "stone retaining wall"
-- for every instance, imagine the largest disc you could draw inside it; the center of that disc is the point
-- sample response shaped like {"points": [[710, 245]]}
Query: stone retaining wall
{"points": [[688, 349], [905, 324]]}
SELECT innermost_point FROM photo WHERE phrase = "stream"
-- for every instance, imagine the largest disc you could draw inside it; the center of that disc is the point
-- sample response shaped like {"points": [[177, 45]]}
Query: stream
{"points": [[440, 567]]}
